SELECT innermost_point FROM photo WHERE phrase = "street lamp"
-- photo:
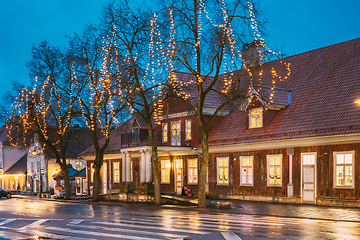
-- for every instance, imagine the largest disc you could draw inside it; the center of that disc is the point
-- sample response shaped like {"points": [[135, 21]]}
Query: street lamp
{"points": [[35, 152], [357, 101]]}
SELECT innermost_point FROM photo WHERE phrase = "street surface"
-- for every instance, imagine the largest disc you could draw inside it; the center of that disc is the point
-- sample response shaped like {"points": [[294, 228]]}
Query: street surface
{"points": [[40, 219]]}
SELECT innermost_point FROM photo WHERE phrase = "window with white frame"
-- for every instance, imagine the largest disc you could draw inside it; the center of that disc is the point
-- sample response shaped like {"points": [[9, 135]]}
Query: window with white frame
{"points": [[344, 169], [79, 165], [165, 171], [223, 171], [255, 118], [246, 170], [274, 170], [116, 172], [164, 132], [188, 129], [92, 171], [192, 171], [131, 171]]}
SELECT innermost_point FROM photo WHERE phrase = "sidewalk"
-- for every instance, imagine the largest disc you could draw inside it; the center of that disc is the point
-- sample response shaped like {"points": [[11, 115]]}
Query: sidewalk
{"points": [[326, 213]]}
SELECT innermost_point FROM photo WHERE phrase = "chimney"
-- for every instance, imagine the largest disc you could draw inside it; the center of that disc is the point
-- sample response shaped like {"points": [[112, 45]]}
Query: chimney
{"points": [[251, 53]]}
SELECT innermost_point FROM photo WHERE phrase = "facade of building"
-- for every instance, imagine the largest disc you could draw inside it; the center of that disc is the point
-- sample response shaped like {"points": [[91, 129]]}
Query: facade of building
{"points": [[294, 141], [12, 164]]}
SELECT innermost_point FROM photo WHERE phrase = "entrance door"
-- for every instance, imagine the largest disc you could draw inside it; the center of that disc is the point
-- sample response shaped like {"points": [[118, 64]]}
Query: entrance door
{"points": [[78, 186], [104, 178], [175, 134], [84, 186], [178, 176], [308, 177]]}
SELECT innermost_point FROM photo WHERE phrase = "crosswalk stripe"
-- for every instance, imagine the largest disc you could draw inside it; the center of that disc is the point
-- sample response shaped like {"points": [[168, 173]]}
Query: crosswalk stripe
{"points": [[130, 231], [7, 221], [98, 233], [34, 224], [222, 219], [230, 236], [54, 236], [174, 228], [10, 237], [232, 222], [77, 221]]}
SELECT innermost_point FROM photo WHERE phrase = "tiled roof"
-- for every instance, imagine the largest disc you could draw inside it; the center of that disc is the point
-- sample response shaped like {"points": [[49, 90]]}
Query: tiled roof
{"points": [[20, 167], [212, 100], [324, 84], [80, 139]]}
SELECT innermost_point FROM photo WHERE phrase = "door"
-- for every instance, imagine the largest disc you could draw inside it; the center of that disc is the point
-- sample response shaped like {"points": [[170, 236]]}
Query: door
{"points": [[178, 176], [175, 134], [84, 186], [104, 178], [78, 186], [308, 178]]}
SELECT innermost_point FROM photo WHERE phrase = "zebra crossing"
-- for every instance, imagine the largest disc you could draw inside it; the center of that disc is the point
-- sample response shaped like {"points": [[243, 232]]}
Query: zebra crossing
{"points": [[135, 227]]}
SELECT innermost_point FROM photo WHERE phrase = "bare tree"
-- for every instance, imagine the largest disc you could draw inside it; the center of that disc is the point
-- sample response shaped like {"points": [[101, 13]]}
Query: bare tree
{"points": [[209, 37], [143, 83], [97, 83], [47, 108]]}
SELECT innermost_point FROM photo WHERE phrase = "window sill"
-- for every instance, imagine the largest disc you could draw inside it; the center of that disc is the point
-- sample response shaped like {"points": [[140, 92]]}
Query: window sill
{"points": [[344, 187], [222, 184], [273, 185], [246, 185]]}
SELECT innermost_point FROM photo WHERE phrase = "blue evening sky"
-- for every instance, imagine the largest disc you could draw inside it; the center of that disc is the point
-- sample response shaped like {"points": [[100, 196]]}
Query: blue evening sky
{"points": [[298, 25]]}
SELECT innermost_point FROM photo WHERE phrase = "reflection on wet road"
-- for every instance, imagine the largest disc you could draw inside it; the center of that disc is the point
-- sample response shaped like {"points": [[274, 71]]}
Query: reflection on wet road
{"points": [[28, 219]]}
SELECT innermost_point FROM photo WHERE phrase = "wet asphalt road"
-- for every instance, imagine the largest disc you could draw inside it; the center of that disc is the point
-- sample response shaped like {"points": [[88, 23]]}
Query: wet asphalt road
{"points": [[38, 219]]}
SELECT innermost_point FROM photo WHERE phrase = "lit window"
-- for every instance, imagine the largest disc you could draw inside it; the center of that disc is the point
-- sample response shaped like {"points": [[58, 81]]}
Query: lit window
{"points": [[343, 169], [175, 133], [135, 135], [255, 118], [246, 171], [116, 172], [79, 165], [165, 171], [274, 177], [188, 130], [164, 132], [223, 171], [192, 171], [131, 171], [92, 170]]}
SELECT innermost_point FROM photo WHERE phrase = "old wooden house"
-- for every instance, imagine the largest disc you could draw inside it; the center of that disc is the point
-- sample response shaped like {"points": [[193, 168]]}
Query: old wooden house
{"points": [[294, 141]]}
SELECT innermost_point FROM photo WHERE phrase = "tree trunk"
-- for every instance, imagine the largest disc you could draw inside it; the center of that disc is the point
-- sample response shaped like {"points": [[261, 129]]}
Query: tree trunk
{"points": [[154, 164], [96, 186], [65, 173], [203, 169]]}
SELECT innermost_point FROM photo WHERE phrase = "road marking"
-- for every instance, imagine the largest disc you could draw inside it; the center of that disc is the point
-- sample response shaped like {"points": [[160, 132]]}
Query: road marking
{"points": [[174, 228], [77, 221], [34, 224], [230, 220], [230, 236], [130, 231], [98, 233], [7, 221], [10, 237], [54, 236]]}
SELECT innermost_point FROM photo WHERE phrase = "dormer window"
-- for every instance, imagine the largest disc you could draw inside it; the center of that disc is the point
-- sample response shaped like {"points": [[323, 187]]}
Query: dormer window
{"points": [[255, 118]]}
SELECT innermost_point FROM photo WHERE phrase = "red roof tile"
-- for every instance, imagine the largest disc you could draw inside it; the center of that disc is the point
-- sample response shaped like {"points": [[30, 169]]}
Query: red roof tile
{"points": [[324, 84]]}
